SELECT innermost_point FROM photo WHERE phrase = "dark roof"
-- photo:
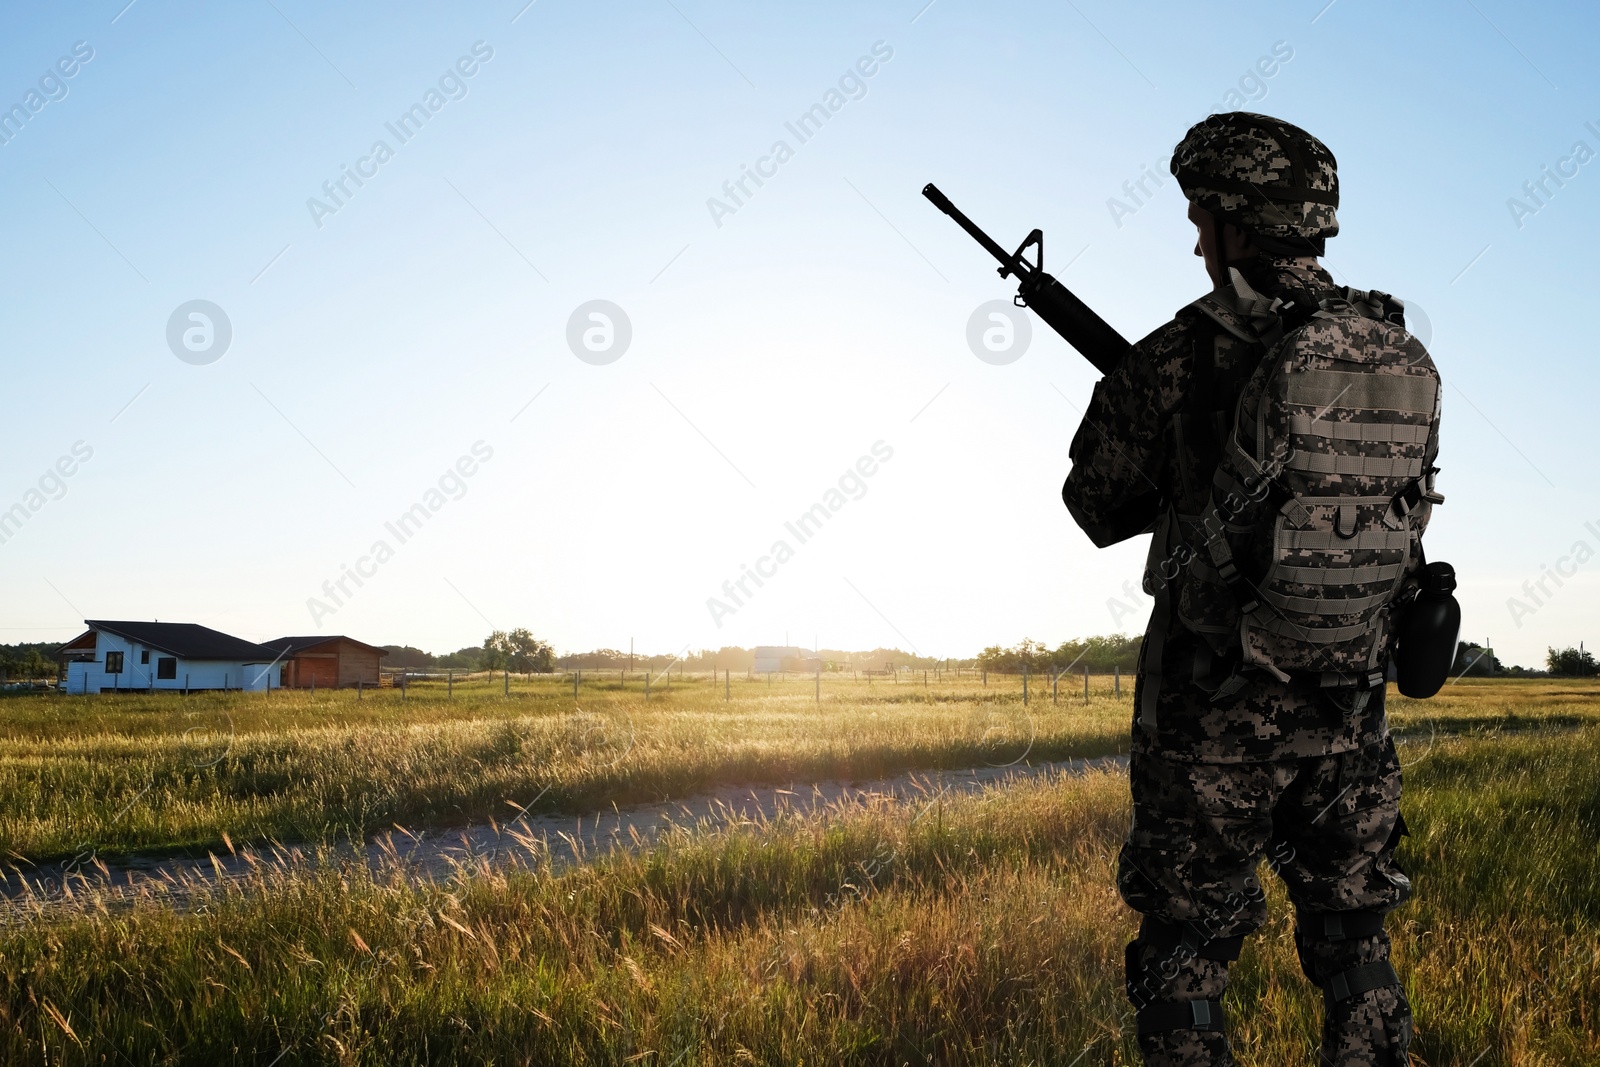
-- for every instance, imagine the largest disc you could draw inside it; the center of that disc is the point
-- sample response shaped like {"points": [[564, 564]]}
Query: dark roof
{"points": [[188, 639], [300, 644]]}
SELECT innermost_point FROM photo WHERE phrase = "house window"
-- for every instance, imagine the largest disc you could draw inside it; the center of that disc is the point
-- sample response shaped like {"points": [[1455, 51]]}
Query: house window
{"points": [[167, 667], [113, 662], [144, 655]]}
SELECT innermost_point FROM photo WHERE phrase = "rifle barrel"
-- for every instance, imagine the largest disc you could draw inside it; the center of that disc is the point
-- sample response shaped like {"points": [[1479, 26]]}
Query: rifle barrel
{"points": [[943, 203], [1053, 302]]}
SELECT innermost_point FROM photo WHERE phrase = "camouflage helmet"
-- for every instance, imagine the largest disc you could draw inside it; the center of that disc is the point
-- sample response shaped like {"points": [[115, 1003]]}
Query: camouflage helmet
{"points": [[1271, 179]]}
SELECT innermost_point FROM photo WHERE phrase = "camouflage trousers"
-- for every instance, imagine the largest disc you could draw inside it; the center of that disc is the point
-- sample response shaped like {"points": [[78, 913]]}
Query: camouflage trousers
{"points": [[1327, 826]]}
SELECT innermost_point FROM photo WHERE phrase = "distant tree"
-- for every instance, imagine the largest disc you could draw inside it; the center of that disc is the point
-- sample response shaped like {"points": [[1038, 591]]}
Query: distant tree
{"points": [[1572, 662], [28, 661], [528, 653], [463, 659], [1518, 671], [496, 652], [406, 656], [518, 650], [1098, 654]]}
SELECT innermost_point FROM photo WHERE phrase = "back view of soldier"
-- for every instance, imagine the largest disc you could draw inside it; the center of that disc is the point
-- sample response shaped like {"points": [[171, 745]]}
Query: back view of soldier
{"points": [[1259, 727]]}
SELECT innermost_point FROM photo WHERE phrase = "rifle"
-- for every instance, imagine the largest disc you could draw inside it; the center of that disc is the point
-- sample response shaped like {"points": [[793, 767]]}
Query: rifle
{"points": [[1053, 302]]}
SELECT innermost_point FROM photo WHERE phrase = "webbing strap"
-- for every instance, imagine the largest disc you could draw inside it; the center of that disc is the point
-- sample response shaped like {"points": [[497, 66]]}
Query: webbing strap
{"points": [[1340, 925], [1359, 980], [1322, 389], [1151, 654], [1363, 466], [1316, 635], [1180, 1015], [1375, 572], [1245, 461], [1403, 432], [1322, 540], [1166, 935], [1290, 193], [1308, 605], [1342, 680]]}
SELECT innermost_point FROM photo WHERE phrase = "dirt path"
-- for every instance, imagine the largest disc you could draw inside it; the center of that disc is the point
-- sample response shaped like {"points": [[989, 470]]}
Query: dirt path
{"points": [[566, 839]]}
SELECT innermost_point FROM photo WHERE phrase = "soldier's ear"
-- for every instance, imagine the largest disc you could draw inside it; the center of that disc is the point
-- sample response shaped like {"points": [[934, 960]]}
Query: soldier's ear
{"points": [[1239, 244]]}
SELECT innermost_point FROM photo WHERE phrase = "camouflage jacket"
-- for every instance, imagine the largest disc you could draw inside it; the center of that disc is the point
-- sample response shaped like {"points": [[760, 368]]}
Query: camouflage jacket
{"points": [[1128, 470]]}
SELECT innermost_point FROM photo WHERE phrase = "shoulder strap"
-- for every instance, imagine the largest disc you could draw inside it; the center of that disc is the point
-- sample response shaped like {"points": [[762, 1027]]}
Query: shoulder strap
{"points": [[1240, 310]]}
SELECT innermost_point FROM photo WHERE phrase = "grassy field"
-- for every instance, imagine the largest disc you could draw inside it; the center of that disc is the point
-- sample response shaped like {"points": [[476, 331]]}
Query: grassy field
{"points": [[976, 930], [116, 774]]}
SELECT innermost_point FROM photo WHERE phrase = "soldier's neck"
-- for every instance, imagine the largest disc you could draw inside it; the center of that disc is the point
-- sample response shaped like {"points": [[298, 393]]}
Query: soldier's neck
{"points": [[1270, 273]]}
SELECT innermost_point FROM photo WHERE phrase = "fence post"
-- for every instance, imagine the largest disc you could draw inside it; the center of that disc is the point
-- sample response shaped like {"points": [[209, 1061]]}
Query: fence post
{"points": [[986, 677], [647, 685], [1116, 681], [575, 684], [507, 689], [1086, 685], [1055, 687], [1024, 685]]}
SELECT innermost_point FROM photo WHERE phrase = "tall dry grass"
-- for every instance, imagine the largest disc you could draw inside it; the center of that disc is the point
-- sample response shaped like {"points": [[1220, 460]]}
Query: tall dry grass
{"points": [[979, 930], [136, 772]]}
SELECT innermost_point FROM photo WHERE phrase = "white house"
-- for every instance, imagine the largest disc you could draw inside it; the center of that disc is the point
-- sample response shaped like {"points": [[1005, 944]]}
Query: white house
{"points": [[111, 656]]}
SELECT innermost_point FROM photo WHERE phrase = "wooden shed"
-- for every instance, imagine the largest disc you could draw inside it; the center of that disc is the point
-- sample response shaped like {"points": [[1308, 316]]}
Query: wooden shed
{"points": [[325, 662]]}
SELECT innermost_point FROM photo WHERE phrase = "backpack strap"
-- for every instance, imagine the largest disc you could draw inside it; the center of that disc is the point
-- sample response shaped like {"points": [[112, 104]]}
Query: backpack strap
{"points": [[1196, 442], [1153, 653], [1241, 311]]}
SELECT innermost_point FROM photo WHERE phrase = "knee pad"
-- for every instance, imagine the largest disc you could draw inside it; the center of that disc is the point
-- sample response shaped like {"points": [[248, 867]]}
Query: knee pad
{"points": [[1325, 941], [1171, 946], [1366, 1017], [1177, 1033], [1162, 1016], [1365, 1010], [1186, 940]]}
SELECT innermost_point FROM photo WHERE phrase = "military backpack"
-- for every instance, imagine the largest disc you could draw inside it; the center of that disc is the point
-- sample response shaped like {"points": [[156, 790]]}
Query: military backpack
{"points": [[1323, 487]]}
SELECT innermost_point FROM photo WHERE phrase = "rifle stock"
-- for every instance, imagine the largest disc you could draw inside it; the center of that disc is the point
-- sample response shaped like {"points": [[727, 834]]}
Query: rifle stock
{"points": [[1053, 302]]}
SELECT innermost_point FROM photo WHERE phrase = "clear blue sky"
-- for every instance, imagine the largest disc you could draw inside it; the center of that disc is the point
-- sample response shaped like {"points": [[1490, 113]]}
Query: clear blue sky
{"points": [[771, 348]]}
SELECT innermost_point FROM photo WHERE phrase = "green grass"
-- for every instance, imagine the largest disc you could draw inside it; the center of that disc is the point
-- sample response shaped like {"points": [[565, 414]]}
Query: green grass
{"points": [[978, 930], [154, 773]]}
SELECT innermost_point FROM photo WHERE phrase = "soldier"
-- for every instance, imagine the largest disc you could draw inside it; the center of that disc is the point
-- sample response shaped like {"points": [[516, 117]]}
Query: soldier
{"points": [[1231, 762]]}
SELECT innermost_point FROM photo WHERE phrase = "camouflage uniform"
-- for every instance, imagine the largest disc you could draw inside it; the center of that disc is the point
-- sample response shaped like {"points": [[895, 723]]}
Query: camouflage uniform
{"points": [[1231, 766]]}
